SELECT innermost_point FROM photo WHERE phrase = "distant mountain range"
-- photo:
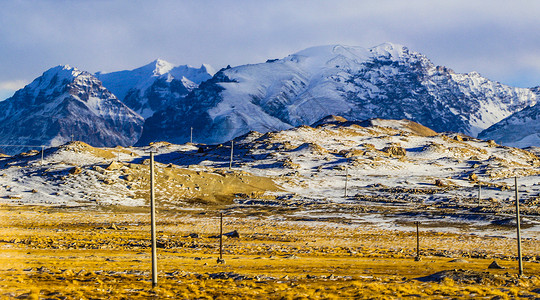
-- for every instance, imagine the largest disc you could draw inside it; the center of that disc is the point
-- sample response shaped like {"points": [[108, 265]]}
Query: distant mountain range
{"points": [[388, 81]]}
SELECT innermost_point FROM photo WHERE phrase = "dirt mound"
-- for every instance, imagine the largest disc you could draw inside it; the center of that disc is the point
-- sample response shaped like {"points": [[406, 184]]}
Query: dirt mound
{"points": [[312, 148], [81, 147], [404, 125], [210, 186], [419, 129], [464, 277], [331, 119]]}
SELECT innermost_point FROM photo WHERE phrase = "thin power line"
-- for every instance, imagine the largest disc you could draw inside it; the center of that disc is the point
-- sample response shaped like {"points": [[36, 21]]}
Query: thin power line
{"points": [[22, 146]]}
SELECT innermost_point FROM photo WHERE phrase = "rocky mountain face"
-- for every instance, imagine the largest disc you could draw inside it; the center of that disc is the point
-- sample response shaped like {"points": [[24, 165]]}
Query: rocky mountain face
{"points": [[63, 104], [154, 86], [521, 129], [388, 81]]}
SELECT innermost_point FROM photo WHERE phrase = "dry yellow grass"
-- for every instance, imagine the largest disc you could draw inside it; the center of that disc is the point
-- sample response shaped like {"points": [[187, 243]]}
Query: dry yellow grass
{"points": [[77, 253]]}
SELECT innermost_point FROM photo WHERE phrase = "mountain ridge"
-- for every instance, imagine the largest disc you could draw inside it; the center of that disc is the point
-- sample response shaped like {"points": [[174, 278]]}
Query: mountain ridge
{"points": [[386, 81], [155, 85]]}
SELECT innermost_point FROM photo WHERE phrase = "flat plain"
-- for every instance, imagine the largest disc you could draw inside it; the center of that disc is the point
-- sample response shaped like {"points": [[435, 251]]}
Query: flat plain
{"points": [[104, 252]]}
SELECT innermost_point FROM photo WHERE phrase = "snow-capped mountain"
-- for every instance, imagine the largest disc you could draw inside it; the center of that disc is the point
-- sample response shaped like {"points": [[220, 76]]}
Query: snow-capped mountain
{"points": [[63, 104], [155, 85], [387, 81]]}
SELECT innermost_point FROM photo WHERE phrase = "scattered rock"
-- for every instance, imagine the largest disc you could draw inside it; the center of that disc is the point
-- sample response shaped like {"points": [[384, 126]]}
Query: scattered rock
{"points": [[473, 177], [75, 170], [395, 150], [351, 153], [42, 269], [99, 169], [114, 166], [288, 163], [491, 143], [193, 235], [439, 183], [232, 234], [495, 265]]}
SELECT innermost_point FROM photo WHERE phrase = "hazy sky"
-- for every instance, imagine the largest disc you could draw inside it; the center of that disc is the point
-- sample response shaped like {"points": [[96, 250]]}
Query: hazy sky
{"points": [[498, 39]]}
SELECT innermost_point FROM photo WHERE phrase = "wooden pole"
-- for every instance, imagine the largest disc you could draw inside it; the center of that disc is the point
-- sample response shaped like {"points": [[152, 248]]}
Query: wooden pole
{"points": [[232, 149], [221, 236], [220, 259], [518, 228], [153, 221], [42, 150], [417, 258], [191, 136]]}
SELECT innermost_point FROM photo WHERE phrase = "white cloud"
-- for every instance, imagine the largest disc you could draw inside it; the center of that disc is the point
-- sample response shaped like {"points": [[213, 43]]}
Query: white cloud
{"points": [[13, 85]]}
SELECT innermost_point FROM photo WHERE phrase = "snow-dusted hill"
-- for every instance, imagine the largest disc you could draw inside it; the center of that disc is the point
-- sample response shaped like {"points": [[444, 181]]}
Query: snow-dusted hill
{"points": [[154, 86], [63, 104], [387, 81], [396, 165]]}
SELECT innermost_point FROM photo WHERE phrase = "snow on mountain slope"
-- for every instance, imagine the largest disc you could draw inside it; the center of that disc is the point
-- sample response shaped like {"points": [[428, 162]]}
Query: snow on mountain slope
{"points": [[521, 129], [62, 104], [155, 85], [387, 81]]}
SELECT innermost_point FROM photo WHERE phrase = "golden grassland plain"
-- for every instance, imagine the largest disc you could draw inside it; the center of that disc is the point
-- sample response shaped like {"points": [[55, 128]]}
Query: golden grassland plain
{"points": [[104, 253]]}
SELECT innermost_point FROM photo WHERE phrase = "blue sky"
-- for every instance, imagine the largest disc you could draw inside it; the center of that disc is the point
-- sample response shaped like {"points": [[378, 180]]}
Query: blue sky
{"points": [[498, 39]]}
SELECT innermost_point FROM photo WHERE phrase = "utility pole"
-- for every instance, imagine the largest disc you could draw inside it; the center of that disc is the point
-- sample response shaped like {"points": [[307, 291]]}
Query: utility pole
{"points": [[153, 220], [42, 149], [220, 260], [232, 150], [417, 258], [518, 228], [191, 136]]}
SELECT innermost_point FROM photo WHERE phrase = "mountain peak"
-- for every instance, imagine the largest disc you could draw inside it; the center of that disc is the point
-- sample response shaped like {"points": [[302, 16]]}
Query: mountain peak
{"points": [[54, 77], [208, 68], [63, 71], [161, 67], [389, 49]]}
